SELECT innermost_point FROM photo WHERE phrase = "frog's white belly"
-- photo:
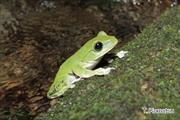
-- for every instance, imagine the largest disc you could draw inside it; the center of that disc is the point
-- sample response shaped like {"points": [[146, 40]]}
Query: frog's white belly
{"points": [[91, 64]]}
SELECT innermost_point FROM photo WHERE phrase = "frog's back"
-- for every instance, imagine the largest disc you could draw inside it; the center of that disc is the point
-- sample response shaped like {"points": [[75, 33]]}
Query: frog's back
{"points": [[67, 66]]}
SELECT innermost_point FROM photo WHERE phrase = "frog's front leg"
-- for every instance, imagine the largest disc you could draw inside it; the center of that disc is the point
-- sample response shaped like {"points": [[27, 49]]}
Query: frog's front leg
{"points": [[86, 73], [103, 71]]}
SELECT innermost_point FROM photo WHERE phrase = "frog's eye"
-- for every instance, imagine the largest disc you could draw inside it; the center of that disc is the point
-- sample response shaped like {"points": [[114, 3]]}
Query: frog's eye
{"points": [[98, 46]]}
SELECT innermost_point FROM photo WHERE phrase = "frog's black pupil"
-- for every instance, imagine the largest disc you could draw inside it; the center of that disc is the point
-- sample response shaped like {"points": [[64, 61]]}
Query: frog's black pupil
{"points": [[98, 46]]}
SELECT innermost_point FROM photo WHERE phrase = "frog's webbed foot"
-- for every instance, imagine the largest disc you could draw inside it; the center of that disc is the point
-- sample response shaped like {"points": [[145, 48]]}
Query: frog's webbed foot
{"points": [[72, 85], [121, 53]]}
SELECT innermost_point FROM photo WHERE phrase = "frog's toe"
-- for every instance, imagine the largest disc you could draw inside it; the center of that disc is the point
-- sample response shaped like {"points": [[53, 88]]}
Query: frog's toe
{"points": [[108, 70], [72, 86]]}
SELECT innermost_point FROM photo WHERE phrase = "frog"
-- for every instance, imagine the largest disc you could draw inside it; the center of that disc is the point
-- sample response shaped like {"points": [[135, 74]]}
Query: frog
{"points": [[81, 64]]}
